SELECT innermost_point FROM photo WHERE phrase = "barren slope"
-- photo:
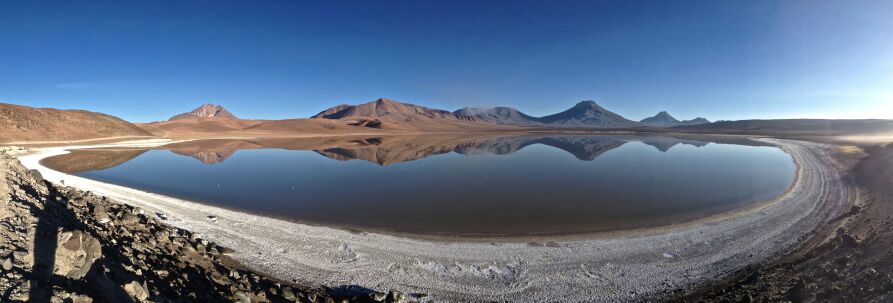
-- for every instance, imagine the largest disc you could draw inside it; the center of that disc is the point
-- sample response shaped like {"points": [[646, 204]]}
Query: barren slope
{"points": [[23, 123], [392, 115]]}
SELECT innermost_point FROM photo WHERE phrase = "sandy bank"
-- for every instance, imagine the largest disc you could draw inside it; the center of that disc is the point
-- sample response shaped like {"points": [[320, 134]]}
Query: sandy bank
{"points": [[616, 269]]}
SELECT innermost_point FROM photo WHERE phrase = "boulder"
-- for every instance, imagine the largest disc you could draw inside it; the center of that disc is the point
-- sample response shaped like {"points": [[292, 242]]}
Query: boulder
{"points": [[34, 174], [75, 254]]}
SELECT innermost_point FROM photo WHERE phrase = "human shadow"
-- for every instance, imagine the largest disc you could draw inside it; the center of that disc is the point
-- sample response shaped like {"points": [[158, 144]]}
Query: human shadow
{"points": [[55, 217]]}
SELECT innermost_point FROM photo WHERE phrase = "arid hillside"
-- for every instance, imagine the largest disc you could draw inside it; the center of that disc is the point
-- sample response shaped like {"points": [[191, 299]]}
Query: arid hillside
{"points": [[392, 115], [382, 116], [22, 123]]}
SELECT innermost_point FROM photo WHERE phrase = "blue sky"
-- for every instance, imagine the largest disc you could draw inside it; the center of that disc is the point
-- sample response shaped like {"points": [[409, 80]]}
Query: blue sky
{"points": [[147, 60]]}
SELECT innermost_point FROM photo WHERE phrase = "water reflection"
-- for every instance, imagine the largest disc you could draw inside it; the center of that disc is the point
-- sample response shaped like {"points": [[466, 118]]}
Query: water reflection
{"points": [[381, 150]]}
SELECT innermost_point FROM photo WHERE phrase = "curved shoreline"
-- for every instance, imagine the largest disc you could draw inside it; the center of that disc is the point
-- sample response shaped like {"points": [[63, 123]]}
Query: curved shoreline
{"points": [[632, 267]]}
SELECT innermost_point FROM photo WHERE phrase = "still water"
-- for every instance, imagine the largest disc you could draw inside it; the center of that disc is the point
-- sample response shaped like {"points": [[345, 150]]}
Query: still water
{"points": [[490, 186]]}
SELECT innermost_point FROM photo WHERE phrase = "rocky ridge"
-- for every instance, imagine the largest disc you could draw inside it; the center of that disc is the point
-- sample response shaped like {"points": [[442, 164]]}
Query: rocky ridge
{"points": [[60, 244]]}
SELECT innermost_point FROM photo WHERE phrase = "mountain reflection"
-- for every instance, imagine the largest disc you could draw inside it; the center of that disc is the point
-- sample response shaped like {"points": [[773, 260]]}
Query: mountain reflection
{"points": [[583, 147], [385, 150]]}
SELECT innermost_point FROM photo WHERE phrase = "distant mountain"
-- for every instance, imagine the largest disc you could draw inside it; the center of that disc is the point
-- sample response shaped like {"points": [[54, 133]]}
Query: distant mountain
{"points": [[205, 111], [583, 114], [695, 121], [498, 115], [662, 119], [24, 123], [588, 114]]}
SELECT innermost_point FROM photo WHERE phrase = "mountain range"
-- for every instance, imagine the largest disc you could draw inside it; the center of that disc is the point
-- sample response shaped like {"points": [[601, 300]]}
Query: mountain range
{"points": [[584, 114], [389, 114], [386, 116], [386, 113]]}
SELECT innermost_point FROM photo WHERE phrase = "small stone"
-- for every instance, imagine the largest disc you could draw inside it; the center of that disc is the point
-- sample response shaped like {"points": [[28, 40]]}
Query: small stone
{"points": [[130, 218], [161, 216], [136, 290], [378, 296], [212, 218], [669, 255], [34, 174], [242, 297], [288, 294], [7, 264], [20, 255], [395, 296], [81, 299]]}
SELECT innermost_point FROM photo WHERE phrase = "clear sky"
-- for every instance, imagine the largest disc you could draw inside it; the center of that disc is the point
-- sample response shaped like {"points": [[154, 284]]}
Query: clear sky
{"points": [[147, 60]]}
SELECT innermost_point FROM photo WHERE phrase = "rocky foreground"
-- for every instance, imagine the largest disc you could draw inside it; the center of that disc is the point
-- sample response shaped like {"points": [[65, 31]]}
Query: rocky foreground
{"points": [[60, 244], [847, 261]]}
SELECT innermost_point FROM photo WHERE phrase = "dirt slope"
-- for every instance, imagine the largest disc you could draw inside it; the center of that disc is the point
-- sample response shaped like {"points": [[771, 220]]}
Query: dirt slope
{"points": [[23, 123]]}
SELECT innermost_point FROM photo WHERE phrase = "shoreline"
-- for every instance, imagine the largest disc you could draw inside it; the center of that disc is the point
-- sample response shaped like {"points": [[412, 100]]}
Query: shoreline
{"points": [[608, 269]]}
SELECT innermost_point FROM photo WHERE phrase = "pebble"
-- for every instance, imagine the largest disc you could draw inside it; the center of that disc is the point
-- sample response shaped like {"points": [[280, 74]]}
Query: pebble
{"points": [[378, 296]]}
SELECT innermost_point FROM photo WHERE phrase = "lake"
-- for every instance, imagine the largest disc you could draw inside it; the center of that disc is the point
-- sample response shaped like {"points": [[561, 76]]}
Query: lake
{"points": [[468, 185]]}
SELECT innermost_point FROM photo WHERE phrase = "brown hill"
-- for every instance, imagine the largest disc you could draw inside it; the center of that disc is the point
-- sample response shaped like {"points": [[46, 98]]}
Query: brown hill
{"points": [[23, 123], [389, 114], [196, 126], [205, 111], [236, 128]]}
